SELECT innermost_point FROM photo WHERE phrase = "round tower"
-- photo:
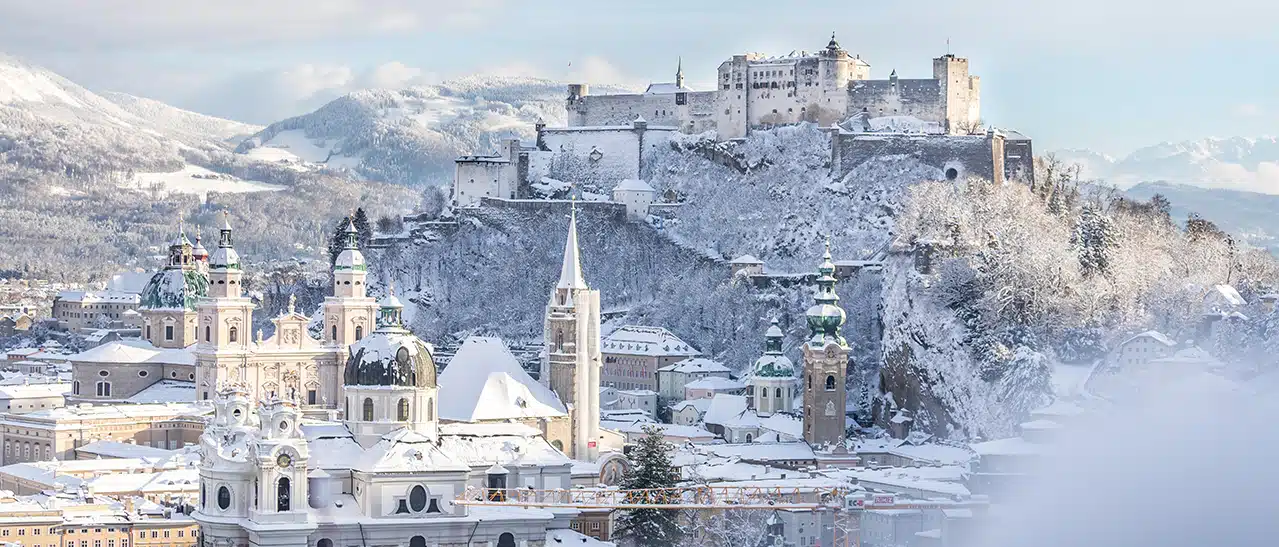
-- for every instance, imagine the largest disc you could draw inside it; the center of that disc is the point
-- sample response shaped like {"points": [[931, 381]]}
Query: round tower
{"points": [[390, 380], [227, 471], [773, 376]]}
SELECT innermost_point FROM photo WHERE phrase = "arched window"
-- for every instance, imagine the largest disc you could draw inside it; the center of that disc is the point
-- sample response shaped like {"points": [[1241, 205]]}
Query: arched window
{"points": [[206, 333], [830, 383], [778, 393], [282, 494], [749, 437], [324, 542], [224, 498], [417, 541], [558, 445], [507, 539], [402, 410], [359, 332], [26, 451], [233, 334], [75, 387], [417, 498], [333, 332], [559, 341], [203, 499], [368, 409], [103, 389]]}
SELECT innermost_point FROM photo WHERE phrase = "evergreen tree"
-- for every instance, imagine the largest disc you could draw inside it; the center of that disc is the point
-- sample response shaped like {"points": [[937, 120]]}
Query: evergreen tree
{"points": [[338, 241], [651, 467], [363, 229], [1095, 238]]}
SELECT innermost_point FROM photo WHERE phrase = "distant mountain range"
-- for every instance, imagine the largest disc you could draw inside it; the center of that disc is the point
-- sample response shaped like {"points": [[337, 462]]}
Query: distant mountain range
{"points": [[1251, 216], [1236, 163]]}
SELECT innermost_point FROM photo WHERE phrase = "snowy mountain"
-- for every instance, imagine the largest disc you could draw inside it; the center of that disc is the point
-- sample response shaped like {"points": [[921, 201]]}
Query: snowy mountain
{"points": [[1250, 216], [1231, 163], [411, 136]]}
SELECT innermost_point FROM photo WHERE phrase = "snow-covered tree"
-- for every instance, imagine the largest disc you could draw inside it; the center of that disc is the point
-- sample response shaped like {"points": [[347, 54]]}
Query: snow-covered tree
{"points": [[650, 467]]}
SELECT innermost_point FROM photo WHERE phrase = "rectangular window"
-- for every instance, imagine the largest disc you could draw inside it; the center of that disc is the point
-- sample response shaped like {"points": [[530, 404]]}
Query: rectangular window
{"points": [[168, 332], [310, 396], [681, 98]]}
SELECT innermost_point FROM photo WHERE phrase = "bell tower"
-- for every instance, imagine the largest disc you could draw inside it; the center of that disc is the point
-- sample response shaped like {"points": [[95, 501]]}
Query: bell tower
{"points": [[349, 314], [571, 363], [825, 364], [224, 318]]}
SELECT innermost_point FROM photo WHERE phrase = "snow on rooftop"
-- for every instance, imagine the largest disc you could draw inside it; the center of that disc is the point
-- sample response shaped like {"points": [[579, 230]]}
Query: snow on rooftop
{"points": [[746, 259], [763, 452], [34, 391], [484, 381], [648, 341], [1229, 295], [634, 185], [715, 383], [696, 365], [564, 537], [784, 424], [133, 352], [1154, 335], [404, 450], [166, 391], [116, 449], [724, 408], [1013, 446]]}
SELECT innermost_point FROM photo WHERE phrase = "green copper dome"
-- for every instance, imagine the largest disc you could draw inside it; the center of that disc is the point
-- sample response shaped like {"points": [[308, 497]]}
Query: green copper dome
{"points": [[825, 317], [174, 288]]}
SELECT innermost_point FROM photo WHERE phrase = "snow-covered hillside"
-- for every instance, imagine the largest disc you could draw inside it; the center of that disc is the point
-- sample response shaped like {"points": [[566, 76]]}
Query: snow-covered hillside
{"points": [[1236, 163], [178, 122], [411, 136]]}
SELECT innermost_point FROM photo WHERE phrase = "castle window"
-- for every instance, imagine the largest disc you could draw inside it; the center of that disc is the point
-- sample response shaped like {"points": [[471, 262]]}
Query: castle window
{"points": [[402, 410], [168, 332], [282, 494], [830, 383], [368, 409], [224, 498], [778, 393]]}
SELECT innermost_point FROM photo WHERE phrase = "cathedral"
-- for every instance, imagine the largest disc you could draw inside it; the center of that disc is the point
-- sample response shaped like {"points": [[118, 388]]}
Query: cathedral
{"points": [[290, 364]]}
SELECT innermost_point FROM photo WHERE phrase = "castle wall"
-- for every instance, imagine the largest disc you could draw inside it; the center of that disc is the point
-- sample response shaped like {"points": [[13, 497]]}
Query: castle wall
{"points": [[957, 155], [898, 97], [475, 178], [602, 154], [691, 112]]}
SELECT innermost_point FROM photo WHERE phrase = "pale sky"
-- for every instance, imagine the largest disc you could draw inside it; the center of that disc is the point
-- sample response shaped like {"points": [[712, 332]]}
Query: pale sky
{"points": [[1110, 75]]}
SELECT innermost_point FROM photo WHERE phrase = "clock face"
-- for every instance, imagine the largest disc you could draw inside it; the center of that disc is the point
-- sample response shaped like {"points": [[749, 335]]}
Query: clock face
{"points": [[284, 460]]}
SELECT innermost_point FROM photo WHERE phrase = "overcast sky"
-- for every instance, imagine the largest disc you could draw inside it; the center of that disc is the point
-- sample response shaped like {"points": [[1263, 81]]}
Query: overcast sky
{"points": [[1111, 75]]}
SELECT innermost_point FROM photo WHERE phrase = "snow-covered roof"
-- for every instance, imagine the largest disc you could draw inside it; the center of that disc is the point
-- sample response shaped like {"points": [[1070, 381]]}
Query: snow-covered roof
{"points": [[133, 352], [482, 447], [484, 381], [116, 449], [564, 537], [784, 424], [715, 383], [175, 288], [634, 185], [98, 297], [404, 450], [746, 259], [663, 88], [724, 408], [700, 404], [33, 391], [760, 452], [648, 341], [166, 391], [896, 479], [1154, 335], [668, 430], [1229, 295], [696, 365]]}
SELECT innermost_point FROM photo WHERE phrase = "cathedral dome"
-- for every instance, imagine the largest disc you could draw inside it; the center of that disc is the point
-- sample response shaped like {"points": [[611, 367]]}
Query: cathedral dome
{"points": [[391, 355], [773, 364], [174, 288], [224, 258]]}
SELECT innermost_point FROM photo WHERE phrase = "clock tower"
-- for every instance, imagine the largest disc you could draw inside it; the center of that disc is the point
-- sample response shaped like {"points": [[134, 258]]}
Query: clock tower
{"points": [[279, 514]]}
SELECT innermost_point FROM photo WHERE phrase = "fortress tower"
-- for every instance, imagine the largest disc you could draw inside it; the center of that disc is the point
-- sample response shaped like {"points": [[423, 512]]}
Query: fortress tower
{"points": [[960, 92], [571, 365], [825, 364]]}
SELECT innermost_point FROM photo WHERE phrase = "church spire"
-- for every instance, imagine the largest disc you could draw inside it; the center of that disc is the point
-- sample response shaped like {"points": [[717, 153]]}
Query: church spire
{"points": [[825, 317], [571, 269], [679, 73]]}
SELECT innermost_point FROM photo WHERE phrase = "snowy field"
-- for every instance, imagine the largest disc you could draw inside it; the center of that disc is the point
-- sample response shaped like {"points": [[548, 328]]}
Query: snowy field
{"points": [[194, 179], [1068, 380], [294, 147]]}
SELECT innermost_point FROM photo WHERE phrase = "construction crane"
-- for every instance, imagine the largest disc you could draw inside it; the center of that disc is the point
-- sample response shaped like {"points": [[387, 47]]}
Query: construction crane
{"points": [[846, 503]]}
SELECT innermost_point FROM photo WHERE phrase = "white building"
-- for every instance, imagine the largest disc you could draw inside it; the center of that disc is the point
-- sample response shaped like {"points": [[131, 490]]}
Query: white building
{"points": [[672, 379], [1142, 348], [709, 387], [636, 195]]}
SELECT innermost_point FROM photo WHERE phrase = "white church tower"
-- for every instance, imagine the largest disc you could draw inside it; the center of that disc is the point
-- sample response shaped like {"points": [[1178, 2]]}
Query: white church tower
{"points": [[224, 318], [349, 313], [773, 377], [571, 365]]}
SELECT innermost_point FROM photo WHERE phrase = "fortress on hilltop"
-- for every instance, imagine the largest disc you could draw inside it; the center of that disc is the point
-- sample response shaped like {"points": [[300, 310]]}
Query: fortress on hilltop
{"points": [[825, 87]]}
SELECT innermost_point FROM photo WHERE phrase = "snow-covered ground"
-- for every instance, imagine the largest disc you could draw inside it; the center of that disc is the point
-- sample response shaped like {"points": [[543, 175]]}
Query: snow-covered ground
{"points": [[294, 147], [1068, 380], [194, 179]]}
